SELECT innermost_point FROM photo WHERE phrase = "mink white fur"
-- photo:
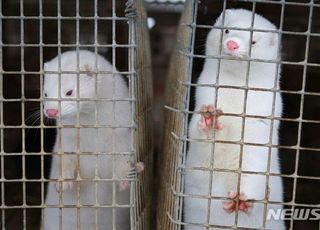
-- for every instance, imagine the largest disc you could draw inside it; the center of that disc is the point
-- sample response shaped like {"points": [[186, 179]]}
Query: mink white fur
{"points": [[203, 154], [90, 154]]}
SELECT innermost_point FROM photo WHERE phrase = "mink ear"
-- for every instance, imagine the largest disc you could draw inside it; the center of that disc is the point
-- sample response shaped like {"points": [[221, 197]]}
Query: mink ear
{"points": [[274, 39], [45, 66], [88, 70], [228, 11], [225, 15]]}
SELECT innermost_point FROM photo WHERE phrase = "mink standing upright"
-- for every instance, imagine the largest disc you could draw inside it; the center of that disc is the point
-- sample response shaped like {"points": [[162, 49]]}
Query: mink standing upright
{"points": [[94, 140], [246, 136]]}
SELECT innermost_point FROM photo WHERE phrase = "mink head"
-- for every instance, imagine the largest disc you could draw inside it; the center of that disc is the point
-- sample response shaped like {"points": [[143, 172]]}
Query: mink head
{"points": [[76, 71], [237, 43]]}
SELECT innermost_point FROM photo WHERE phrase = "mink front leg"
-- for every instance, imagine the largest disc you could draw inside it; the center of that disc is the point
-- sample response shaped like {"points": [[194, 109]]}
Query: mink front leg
{"points": [[68, 168]]}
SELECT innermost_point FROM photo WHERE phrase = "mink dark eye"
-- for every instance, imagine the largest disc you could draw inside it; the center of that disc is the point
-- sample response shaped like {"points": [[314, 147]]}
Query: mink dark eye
{"points": [[69, 93], [226, 31], [253, 42]]}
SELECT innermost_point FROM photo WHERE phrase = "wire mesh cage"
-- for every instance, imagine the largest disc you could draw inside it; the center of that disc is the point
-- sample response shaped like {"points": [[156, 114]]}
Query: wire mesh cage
{"points": [[188, 192], [165, 1], [47, 46]]}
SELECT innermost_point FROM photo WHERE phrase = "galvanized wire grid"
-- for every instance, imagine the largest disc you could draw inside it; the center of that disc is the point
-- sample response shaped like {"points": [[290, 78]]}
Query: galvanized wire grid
{"points": [[164, 5], [166, 1], [180, 82], [138, 74]]}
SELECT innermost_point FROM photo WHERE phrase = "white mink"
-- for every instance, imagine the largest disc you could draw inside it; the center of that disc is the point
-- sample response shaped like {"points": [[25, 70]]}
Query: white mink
{"points": [[226, 156], [103, 140]]}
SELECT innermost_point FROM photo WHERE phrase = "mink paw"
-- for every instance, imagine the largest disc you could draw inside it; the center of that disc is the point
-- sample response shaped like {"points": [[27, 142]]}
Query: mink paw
{"points": [[67, 184], [138, 168], [209, 117], [241, 203]]}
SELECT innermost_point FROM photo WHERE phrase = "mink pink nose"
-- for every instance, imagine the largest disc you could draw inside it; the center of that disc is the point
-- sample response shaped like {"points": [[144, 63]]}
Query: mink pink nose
{"points": [[52, 112], [232, 45]]}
